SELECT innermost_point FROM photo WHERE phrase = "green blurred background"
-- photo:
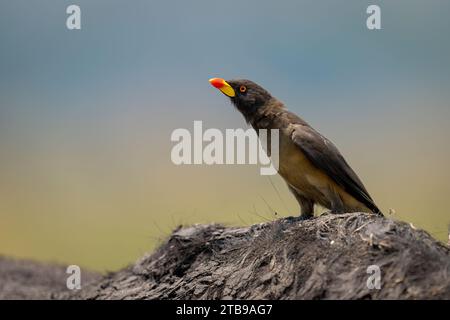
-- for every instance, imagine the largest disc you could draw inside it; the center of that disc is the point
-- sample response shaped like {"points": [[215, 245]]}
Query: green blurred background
{"points": [[86, 116]]}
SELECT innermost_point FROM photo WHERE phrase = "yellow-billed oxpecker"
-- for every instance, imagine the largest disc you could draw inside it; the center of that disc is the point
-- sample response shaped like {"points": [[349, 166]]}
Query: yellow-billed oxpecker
{"points": [[312, 166]]}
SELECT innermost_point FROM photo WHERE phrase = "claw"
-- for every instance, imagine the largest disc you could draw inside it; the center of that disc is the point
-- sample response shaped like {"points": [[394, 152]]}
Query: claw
{"points": [[299, 218]]}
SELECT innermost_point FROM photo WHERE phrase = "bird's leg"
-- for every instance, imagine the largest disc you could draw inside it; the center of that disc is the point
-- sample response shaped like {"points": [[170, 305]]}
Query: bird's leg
{"points": [[335, 203], [306, 205], [306, 209]]}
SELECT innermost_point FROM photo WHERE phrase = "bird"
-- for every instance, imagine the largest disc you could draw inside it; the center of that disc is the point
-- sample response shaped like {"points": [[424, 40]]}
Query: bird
{"points": [[315, 171]]}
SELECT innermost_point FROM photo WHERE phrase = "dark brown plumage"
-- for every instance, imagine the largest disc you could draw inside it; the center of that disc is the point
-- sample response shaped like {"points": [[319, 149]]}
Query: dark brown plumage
{"points": [[313, 168]]}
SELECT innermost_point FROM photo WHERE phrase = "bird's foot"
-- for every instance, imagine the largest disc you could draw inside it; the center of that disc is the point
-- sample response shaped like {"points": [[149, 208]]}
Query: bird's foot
{"points": [[329, 212], [302, 217]]}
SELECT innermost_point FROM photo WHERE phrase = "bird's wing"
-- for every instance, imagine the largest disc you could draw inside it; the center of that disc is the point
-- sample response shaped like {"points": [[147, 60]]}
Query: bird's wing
{"points": [[325, 156]]}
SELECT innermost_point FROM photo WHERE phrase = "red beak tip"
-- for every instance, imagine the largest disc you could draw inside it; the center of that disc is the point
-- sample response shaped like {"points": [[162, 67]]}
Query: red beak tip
{"points": [[216, 82]]}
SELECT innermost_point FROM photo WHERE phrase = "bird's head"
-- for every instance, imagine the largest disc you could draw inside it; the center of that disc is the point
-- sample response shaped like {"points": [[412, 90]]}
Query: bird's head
{"points": [[246, 95]]}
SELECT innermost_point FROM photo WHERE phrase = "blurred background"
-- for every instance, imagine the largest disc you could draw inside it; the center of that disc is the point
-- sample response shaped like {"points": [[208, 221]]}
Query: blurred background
{"points": [[86, 116]]}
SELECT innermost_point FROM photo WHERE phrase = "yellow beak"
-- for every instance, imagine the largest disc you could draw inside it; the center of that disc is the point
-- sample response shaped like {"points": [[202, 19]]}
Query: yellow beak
{"points": [[223, 86]]}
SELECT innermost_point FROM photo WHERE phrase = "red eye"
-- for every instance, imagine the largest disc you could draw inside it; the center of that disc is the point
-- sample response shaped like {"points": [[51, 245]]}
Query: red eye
{"points": [[242, 89]]}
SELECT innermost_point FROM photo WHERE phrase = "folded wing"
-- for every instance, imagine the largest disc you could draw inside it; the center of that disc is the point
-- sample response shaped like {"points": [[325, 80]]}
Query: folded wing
{"points": [[325, 156]]}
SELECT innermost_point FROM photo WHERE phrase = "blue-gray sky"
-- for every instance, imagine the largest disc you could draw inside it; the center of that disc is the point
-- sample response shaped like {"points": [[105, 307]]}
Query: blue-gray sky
{"points": [[86, 115]]}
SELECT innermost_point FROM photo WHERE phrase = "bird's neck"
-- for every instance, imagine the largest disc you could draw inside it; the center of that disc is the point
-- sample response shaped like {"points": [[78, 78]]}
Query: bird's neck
{"points": [[265, 116]]}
